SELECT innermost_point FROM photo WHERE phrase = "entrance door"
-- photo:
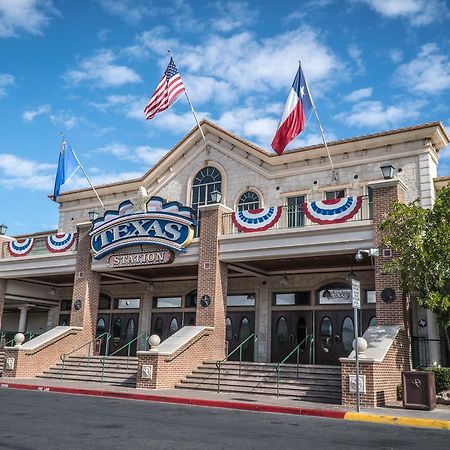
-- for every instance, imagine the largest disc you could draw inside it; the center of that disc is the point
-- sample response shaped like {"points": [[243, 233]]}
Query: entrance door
{"points": [[103, 325], [239, 326], [164, 324], [124, 329], [290, 328], [334, 335]]}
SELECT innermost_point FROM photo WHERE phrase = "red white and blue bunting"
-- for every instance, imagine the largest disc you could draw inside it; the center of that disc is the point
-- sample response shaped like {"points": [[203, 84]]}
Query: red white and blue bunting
{"points": [[332, 211], [256, 219], [60, 242], [20, 247]]}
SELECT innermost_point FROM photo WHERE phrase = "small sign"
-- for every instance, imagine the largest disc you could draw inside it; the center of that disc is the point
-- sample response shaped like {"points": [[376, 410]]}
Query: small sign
{"points": [[337, 297], [356, 294], [147, 372], [352, 384], [9, 363], [152, 257]]}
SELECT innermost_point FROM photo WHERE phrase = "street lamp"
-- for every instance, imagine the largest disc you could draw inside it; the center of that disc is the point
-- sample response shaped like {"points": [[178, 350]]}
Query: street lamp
{"points": [[3, 229], [216, 196], [388, 171], [93, 215]]}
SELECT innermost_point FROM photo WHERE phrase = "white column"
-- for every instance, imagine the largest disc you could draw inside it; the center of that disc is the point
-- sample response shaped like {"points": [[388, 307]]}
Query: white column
{"points": [[433, 333], [23, 319]]}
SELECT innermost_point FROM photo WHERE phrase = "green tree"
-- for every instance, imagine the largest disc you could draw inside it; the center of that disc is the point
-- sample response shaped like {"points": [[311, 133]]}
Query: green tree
{"points": [[420, 240]]}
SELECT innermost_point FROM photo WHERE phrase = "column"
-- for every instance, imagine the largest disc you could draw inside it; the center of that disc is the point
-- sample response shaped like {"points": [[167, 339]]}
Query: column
{"points": [[86, 288], [2, 298], [23, 319], [212, 274]]}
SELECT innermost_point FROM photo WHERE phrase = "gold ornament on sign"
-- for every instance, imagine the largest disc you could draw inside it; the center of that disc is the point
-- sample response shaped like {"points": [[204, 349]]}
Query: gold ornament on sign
{"points": [[140, 201]]}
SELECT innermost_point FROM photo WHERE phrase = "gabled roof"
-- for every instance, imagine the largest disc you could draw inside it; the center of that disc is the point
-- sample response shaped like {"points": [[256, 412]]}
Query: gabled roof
{"points": [[270, 157]]}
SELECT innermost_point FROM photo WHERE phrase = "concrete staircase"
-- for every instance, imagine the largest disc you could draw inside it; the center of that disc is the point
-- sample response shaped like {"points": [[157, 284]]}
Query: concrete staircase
{"points": [[82, 368], [2, 361], [315, 383]]}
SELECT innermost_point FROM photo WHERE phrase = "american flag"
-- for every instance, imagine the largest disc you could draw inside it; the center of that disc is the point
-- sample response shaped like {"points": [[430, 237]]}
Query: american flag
{"points": [[169, 88]]}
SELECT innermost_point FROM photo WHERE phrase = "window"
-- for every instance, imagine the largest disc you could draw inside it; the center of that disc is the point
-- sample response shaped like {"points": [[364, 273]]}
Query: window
{"points": [[291, 299], [295, 214], [191, 299], [332, 195], [326, 332], [205, 182], [282, 333], [66, 305], [248, 200], [127, 303], [167, 302], [241, 300], [348, 334], [104, 302]]}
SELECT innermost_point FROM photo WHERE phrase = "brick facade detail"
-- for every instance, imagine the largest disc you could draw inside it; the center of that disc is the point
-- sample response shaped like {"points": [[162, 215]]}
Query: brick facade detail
{"points": [[2, 298]]}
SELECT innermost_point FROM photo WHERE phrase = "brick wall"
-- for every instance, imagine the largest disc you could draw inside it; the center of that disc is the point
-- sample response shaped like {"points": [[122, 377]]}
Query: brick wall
{"points": [[2, 298], [382, 378], [168, 371]]}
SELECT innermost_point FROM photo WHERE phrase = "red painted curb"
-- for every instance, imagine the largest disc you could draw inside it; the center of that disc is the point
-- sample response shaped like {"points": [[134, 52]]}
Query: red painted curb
{"points": [[333, 414]]}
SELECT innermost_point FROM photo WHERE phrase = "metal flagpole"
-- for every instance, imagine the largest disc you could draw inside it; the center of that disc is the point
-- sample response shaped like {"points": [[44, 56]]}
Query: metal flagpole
{"points": [[192, 109], [320, 127], [85, 174]]}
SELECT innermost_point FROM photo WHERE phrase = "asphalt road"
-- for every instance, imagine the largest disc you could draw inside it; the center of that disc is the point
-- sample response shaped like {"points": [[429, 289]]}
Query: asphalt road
{"points": [[48, 421]]}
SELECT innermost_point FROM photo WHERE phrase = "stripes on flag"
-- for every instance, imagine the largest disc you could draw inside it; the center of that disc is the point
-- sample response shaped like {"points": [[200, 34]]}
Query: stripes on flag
{"points": [[169, 88]]}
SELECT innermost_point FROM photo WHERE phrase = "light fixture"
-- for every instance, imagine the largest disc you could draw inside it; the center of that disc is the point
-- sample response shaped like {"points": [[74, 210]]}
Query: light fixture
{"points": [[388, 171], [52, 291], [326, 294], [284, 279], [3, 229], [215, 196], [93, 215], [369, 252]]}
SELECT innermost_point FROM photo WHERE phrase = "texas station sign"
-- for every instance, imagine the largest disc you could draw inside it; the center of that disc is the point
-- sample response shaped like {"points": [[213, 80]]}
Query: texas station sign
{"points": [[148, 258], [148, 221]]}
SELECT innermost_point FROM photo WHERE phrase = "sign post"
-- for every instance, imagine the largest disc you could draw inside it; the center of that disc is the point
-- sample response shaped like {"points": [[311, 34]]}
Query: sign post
{"points": [[356, 303]]}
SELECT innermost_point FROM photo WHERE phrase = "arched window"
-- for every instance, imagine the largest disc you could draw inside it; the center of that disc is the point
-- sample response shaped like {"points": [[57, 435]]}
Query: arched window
{"points": [[205, 182], [248, 200]]}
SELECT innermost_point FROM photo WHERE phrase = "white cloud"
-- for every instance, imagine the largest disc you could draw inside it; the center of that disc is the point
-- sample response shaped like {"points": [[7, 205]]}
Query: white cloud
{"points": [[428, 73], [100, 177], [64, 118], [101, 70], [417, 12], [355, 53], [359, 94], [130, 11], [131, 106], [27, 174], [233, 15], [25, 16], [6, 80], [372, 113], [396, 55], [29, 116], [140, 154]]}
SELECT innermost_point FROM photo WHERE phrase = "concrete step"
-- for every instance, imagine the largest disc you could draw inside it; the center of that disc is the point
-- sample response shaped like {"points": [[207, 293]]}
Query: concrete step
{"points": [[312, 368], [95, 365], [130, 382], [93, 373]]}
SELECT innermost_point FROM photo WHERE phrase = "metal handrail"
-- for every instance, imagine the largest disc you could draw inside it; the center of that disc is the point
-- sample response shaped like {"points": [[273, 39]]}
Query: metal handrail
{"points": [[64, 356], [297, 350], [128, 344], [13, 340], [239, 347]]}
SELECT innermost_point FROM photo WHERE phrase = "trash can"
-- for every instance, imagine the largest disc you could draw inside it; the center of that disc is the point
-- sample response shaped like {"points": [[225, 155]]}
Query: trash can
{"points": [[419, 390]]}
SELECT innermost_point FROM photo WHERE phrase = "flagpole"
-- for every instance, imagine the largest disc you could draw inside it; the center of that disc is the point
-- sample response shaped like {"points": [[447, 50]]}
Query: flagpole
{"points": [[192, 109], [85, 173], [320, 127]]}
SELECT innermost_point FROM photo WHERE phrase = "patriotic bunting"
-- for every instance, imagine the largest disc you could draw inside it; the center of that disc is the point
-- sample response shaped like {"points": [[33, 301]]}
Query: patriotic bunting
{"points": [[60, 242], [256, 219], [332, 211], [20, 247]]}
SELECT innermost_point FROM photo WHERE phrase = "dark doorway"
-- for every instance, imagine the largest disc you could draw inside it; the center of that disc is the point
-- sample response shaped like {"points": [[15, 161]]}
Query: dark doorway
{"points": [[239, 326], [124, 328], [165, 324], [290, 328]]}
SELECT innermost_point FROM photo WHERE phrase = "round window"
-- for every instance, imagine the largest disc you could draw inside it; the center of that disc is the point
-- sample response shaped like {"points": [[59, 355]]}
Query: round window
{"points": [[131, 330], [229, 329], [101, 326], [326, 333], [173, 328], [348, 334], [373, 322], [244, 332]]}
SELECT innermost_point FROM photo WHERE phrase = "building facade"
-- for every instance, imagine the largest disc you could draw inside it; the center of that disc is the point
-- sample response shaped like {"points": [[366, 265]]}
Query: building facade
{"points": [[228, 237]]}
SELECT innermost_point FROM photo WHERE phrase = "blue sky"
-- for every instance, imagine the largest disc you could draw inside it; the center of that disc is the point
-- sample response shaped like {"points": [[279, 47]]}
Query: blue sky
{"points": [[89, 67]]}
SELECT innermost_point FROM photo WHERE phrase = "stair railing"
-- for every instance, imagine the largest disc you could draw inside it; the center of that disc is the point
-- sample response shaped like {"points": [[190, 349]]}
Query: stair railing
{"points": [[28, 336], [128, 344], [240, 347], [297, 350], [64, 356]]}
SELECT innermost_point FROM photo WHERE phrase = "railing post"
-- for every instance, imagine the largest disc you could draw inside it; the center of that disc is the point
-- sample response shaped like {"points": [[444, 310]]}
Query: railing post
{"points": [[128, 355], [298, 358], [218, 376], [277, 368], [311, 341], [62, 368], [108, 337], [240, 359]]}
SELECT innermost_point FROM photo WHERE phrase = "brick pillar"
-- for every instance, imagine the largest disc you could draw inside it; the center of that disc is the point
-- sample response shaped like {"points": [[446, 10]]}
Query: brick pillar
{"points": [[2, 298], [86, 288], [212, 274]]}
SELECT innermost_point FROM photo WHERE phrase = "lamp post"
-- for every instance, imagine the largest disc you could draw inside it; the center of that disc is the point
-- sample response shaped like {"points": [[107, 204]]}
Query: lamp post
{"points": [[387, 171], [215, 196], [93, 215], [3, 229]]}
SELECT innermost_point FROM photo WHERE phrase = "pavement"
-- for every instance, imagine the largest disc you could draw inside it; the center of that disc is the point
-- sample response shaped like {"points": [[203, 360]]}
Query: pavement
{"points": [[439, 418]]}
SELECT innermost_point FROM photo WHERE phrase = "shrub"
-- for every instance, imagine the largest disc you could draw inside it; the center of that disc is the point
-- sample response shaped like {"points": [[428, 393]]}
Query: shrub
{"points": [[442, 378]]}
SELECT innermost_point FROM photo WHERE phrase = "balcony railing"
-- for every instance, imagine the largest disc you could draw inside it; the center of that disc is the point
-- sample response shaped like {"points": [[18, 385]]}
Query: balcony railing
{"points": [[293, 217], [39, 247]]}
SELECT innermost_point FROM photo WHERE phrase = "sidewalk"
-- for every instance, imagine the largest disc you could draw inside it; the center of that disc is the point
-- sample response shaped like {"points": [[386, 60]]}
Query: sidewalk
{"points": [[438, 418]]}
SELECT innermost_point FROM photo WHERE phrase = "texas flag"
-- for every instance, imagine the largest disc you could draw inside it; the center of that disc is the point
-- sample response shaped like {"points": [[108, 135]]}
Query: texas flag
{"points": [[296, 113]]}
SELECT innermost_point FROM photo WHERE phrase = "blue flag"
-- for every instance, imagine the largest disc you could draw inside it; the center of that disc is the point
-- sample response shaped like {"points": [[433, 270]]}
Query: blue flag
{"points": [[67, 165]]}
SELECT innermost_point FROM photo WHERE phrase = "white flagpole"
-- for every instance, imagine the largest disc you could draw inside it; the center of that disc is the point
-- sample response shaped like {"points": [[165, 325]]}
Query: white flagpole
{"points": [[85, 174], [320, 127], [192, 109]]}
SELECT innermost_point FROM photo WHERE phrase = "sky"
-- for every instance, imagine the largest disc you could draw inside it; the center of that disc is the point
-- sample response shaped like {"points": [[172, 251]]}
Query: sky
{"points": [[88, 68]]}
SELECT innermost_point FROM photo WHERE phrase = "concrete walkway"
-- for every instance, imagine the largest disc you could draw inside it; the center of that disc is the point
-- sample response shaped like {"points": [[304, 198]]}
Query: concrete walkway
{"points": [[438, 418]]}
